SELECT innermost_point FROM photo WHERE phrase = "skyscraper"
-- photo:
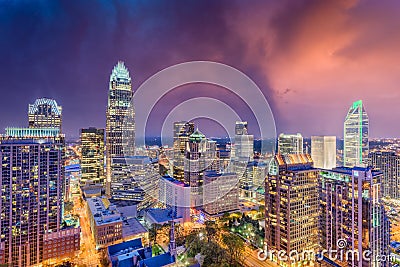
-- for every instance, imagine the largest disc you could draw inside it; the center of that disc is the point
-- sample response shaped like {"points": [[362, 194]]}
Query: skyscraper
{"points": [[389, 164], [323, 151], [32, 196], [182, 131], [352, 213], [45, 113], [290, 144], [356, 127], [92, 160], [244, 143], [120, 121], [200, 156], [291, 205]]}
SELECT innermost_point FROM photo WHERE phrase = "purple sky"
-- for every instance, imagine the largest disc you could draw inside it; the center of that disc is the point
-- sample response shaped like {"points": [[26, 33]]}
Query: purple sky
{"points": [[311, 59]]}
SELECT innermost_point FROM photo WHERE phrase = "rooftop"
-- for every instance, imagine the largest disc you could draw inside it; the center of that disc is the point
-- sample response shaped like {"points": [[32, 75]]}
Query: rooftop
{"points": [[125, 247], [101, 214], [132, 227], [161, 215], [349, 171], [158, 261]]}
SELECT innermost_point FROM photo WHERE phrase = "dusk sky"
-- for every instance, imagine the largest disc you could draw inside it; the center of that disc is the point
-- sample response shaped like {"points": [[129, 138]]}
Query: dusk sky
{"points": [[311, 59]]}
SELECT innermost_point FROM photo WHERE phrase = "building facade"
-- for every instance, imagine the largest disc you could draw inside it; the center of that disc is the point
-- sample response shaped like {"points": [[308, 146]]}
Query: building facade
{"points": [[352, 216], [120, 120], [323, 151], [356, 144], [244, 143], [182, 131], [45, 113], [291, 205], [135, 178], [389, 164], [290, 144], [32, 195], [200, 156], [220, 193], [92, 159]]}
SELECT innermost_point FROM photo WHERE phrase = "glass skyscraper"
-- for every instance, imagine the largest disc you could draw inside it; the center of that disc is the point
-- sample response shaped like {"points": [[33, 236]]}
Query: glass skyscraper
{"points": [[45, 113], [387, 162], [290, 144], [356, 127], [120, 121], [92, 160]]}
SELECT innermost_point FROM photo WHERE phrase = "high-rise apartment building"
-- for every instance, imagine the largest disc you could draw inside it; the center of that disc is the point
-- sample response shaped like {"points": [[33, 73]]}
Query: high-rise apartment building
{"points": [[323, 151], [291, 205], [352, 216], [182, 131], [290, 144], [220, 192], [92, 159], [120, 121], [45, 113], [356, 145], [32, 197], [389, 164]]}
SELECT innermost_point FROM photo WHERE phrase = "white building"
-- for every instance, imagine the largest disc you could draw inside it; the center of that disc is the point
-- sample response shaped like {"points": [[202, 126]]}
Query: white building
{"points": [[290, 144], [220, 192], [323, 151]]}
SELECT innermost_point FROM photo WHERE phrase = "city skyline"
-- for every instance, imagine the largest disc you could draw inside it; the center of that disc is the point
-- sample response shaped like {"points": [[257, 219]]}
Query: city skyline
{"points": [[327, 41]]}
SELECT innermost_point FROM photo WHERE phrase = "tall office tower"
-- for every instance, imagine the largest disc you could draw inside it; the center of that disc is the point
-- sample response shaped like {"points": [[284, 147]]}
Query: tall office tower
{"points": [[32, 195], [200, 156], [291, 204], [120, 121], [389, 164], [356, 127], [92, 159], [220, 193], [323, 151], [135, 178], [182, 131], [352, 214], [45, 113], [290, 144], [244, 143]]}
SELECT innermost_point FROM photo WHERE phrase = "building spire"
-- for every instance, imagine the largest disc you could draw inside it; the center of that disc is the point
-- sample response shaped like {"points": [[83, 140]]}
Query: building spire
{"points": [[172, 243]]}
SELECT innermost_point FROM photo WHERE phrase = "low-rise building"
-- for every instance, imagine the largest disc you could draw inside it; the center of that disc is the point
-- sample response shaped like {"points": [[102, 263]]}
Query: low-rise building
{"points": [[133, 254], [64, 243], [109, 227]]}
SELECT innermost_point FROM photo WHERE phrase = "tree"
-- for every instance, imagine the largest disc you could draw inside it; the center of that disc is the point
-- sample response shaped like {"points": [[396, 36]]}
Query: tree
{"points": [[153, 232], [211, 229], [234, 245]]}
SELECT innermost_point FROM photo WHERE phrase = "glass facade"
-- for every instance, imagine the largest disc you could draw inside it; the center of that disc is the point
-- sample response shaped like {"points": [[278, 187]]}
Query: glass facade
{"points": [[92, 159], [45, 113], [31, 184], [120, 121], [356, 145], [290, 144]]}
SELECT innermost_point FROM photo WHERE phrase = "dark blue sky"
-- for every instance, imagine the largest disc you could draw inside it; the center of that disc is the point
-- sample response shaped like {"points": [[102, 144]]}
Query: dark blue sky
{"points": [[311, 59]]}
